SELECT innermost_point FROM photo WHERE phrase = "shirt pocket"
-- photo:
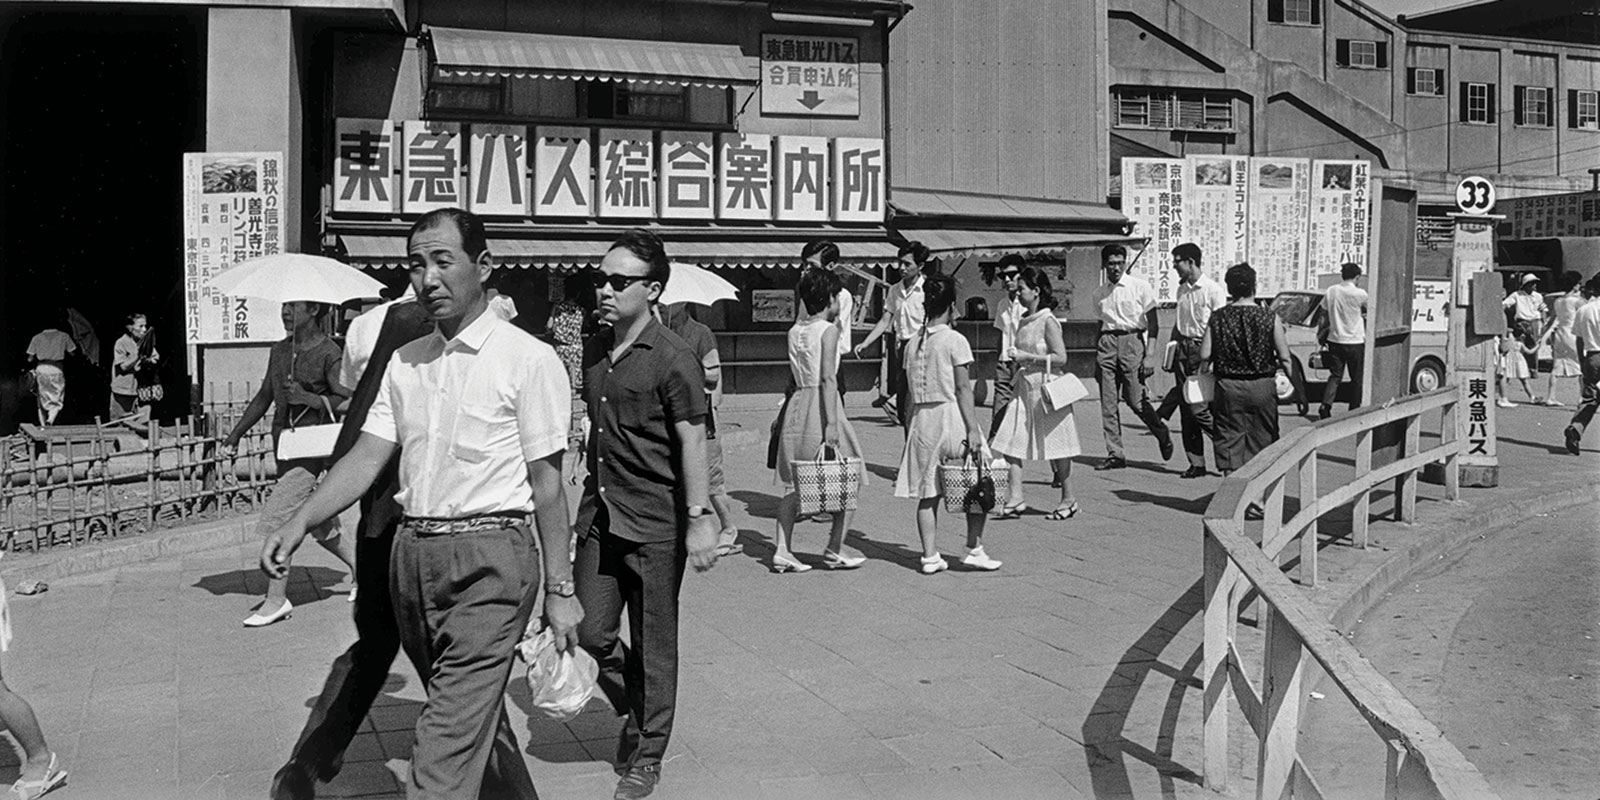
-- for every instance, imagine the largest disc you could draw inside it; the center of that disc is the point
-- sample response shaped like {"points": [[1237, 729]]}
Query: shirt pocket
{"points": [[478, 429]]}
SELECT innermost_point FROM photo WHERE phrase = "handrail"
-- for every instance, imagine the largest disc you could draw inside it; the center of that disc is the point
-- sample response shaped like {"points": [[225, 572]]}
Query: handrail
{"points": [[1421, 762]]}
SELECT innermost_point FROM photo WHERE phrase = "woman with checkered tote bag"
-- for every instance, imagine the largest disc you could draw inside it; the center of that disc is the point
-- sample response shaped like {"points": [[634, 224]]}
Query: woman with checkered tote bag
{"points": [[813, 418]]}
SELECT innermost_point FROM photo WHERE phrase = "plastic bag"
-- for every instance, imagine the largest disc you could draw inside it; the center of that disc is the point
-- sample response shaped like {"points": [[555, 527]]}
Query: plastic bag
{"points": [[562, 682]]}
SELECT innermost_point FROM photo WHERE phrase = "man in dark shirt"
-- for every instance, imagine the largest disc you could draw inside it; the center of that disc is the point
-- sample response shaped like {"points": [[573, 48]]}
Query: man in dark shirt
{"points": [[644, 510]]}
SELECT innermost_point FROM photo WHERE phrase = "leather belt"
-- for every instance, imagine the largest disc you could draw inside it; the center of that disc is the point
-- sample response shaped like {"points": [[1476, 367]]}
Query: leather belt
{"points": [[1115, 332], [439, 526]]}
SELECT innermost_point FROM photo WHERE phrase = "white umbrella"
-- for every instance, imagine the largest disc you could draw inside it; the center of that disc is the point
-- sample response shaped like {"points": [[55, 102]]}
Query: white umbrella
{"points": [[692, 284], [286, 277]]}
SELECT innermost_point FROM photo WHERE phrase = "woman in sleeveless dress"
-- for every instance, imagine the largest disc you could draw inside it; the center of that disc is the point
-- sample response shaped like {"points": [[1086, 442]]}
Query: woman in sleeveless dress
{"points": [[814, 416], [1244, 347], [1563, 342], [1029, 431]]}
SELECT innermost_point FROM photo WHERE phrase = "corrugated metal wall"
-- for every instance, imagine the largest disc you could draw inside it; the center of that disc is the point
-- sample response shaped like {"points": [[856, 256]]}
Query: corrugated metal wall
{"points": [[1003, 96]]}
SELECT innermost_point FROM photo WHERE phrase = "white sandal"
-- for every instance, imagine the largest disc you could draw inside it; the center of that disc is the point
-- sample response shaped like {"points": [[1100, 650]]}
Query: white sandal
{"points": [[53, 779]]}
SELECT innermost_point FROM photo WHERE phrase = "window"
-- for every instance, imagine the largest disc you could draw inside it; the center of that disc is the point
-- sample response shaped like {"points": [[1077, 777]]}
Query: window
{"points": [[640, 101], [1295, 12], [466, 94], [1477, 103], [1425, 81], [1171, 110], [1361, 54], [1583, 109], [1533, 106]]}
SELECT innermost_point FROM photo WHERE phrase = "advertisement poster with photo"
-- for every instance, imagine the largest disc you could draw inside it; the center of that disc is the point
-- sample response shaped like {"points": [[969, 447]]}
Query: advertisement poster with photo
{"points": [[1279, 218], [232, 211], [1153, 199], [1341, 193], [1218, 209]]}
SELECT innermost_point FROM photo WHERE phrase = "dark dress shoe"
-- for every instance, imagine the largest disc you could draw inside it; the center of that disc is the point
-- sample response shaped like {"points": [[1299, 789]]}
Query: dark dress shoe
{"points": [[294, 781], [638, 782], [1194, 472], [1111, 462], [1165, 443]]}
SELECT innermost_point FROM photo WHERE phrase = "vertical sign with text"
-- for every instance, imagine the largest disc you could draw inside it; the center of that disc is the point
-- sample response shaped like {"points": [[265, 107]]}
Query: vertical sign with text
{"points": [[1279, 194], [232, 211], [627, 176], [802, 178], [498, 167], [363, 166], [1340, 193], [688, 175], [744, 176], [858, 180], [1218, 209], [432, 166], [1153, 196], [563, 172]]}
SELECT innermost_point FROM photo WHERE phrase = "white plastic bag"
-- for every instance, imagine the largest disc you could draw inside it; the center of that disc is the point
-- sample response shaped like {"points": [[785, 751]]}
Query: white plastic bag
{"points": [[562, 682]]}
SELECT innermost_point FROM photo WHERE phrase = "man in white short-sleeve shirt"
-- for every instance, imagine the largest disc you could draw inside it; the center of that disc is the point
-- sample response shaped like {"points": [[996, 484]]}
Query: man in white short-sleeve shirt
{"points": [[479, 412], [1198, 296], [1126, 308], [1344, 306], [903, 317], [1586, 328]]}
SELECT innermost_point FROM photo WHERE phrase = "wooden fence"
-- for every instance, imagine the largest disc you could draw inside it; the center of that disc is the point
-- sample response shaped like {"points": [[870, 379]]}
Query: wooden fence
{"points": [[1420, 763]]}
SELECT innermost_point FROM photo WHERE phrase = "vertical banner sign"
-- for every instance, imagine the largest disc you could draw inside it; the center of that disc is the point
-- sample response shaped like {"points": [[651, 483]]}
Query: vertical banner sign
{"points": [[802, 178], [627, 175], [1218, 209], [563, 172], [432, 166], [688, 177], [498, 167], [1153, 197], [1279, 192], [363, 166], [744, 176], [1340, 191], [858, 176], [232, 211], [810, 76]]}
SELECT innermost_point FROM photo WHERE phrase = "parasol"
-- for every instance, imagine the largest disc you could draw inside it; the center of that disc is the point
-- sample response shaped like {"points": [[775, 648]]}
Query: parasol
{"points": [[693, 284], [287, 277]]}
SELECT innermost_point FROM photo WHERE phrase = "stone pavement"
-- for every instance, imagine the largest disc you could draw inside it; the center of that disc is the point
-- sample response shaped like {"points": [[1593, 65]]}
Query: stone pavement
{"points": [[1068, 673]]}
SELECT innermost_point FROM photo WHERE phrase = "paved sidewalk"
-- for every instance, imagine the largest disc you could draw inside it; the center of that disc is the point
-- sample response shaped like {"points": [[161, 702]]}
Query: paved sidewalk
{"points": [[1069, 673]]}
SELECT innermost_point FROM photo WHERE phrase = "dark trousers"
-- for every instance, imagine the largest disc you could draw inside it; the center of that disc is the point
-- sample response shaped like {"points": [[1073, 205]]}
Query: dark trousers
{"points": [[1118, 358], [1005, 372], [1195, 418], [1340, 357], [462, 602], [895, 351], [1247, 419], [640, 678], [1590, 367]]}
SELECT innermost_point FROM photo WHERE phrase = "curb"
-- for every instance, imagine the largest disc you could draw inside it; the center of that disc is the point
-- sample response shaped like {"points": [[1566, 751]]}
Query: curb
{"points": [[110, 555]]}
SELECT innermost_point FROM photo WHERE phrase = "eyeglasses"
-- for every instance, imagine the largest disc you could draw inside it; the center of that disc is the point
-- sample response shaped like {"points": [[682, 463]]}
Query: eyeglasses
{"points": [[619, 283], [1009, 275]]}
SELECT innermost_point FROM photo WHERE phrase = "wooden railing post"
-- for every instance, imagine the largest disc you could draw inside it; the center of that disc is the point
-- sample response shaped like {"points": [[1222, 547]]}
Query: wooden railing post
{"points": [[1219, 579], [1308, 537], [1363, 504], [1405, 486], [1280, 706], [1272, 515], [1452, 462]]}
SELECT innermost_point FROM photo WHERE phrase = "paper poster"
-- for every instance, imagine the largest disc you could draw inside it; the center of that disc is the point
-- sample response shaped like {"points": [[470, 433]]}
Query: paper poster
{"points": [[1340, 196], [811, 76], [858, 177], [744, 176], [772, 305], [1279, 220], [232, 211], [498, 156], [688, 176], [431, 166], [1430, 306], [1218, 210], [1153, 198], [363, 166], [1544, 216], [563, 172], [627, 177], [802, 178]]}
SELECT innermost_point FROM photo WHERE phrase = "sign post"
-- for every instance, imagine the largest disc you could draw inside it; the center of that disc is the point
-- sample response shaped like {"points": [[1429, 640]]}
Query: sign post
{"points": [[1472, 355]]}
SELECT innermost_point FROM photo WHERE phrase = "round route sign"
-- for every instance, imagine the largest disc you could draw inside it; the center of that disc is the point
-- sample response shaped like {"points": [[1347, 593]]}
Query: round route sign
{"points": [[1475, 195]]}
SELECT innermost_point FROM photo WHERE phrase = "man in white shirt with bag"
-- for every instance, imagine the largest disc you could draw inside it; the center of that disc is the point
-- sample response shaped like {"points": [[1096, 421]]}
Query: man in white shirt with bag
{"points": [[1198, 296]]}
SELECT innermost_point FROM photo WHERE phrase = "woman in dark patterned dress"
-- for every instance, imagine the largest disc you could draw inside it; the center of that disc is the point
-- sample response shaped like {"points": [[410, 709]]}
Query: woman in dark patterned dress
{"points": [[1244, 347]]}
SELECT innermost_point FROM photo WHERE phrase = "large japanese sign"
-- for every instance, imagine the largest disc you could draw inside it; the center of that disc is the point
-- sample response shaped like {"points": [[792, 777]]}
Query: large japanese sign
{"points": [[1279, 195], [1218, 208], [613, 173], [813, 76], [1576, 214], [232, 211], [1340, 194], [1153, 196]]}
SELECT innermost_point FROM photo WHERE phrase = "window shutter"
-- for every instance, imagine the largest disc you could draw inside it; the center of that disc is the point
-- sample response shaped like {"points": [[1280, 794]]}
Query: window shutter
{"points": [[1411, 80], [1572, 108], [1316, 12], [1383, 55], [1550, 106], [1274, 10], [1341, 52], [1462, 96], [1438, 82], [1493, 110], [1519, 96]]}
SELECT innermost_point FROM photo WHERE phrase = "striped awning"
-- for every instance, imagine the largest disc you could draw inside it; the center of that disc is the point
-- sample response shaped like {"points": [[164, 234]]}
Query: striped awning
{"points": [[985, 243], [365, 250], [460, 51]]}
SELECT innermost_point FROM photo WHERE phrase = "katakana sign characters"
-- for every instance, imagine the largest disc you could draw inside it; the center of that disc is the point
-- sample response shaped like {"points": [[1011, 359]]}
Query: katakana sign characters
{"points": [[563, 172], [499, 165], [813, 76]]}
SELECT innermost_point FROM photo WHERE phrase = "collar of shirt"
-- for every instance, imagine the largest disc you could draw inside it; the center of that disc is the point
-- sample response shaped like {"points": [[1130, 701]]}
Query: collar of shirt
{"points": [[470, 338]]}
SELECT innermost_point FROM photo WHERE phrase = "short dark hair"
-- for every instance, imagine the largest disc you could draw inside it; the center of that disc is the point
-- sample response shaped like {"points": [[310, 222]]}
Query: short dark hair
{"points": [[1113, 250], [1570, 281], [1240, 280], [919, 251], [1011, 260], [828, 251], [817, 289], [1188, 251], [1037, 280], [646, 246], [136, 315], [473, 238], [1349, 270], [938, 295], [1592, 286]]}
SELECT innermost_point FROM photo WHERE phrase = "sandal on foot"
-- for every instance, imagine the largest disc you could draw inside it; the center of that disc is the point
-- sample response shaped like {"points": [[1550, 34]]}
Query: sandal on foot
{"points": [[1012, 512], [53, 779], [728, 543], [1064, 512]]}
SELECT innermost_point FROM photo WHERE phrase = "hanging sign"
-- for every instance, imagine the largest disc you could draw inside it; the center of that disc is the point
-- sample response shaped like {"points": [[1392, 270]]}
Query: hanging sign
{"points": [[744, 176], [232, 211], [810, 76], [499, 166], [363, 166], [432, 166], [858, 176], [563, 172], [627, 177], [688, 180], [802, 178]]}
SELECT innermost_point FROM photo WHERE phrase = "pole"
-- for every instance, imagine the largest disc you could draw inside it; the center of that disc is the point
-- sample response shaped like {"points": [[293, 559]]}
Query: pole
{"points": [[1473, 354]]}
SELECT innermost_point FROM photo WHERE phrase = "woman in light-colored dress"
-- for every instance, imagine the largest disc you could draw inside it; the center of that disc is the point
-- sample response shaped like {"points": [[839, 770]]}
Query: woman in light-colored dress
{"points": [[1563, 342], [1029, 431], [814, 417], [938, 365]]}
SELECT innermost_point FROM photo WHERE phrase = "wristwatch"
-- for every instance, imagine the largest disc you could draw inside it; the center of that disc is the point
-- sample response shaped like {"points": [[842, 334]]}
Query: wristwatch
{"points": [[696, 512], [564, 588]]}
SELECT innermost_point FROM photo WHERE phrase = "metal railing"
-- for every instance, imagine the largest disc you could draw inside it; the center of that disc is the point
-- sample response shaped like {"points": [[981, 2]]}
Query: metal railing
{"points": [[1420, 762], [67, 489]]}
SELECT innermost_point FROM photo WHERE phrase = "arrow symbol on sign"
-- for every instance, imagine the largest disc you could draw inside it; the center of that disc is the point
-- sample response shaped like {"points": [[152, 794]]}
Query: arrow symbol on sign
{"points": [[811, 100]]}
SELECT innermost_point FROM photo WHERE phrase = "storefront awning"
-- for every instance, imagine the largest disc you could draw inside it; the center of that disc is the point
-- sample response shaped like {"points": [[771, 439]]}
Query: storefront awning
{"points": [[917, 208], [988, 243], [459, 51], [389, 251]]}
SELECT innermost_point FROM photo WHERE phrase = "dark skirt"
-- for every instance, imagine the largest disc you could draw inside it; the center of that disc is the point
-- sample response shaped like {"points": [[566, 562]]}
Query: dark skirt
{"points": [[1246, 413]]}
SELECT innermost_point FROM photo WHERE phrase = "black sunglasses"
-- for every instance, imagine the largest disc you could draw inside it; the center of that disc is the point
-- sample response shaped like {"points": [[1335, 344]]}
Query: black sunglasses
{"points": [[620, 283], [1010, 274]]}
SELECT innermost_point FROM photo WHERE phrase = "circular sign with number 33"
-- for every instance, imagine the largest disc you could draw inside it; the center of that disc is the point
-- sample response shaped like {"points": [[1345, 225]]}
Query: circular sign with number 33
{"points": [[1475, 195]]}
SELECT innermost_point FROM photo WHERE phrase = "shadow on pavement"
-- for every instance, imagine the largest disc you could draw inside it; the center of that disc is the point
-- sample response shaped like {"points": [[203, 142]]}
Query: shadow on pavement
{"points": [[1554, 448], [1105, 744], [1187, 506], [306, 584]]}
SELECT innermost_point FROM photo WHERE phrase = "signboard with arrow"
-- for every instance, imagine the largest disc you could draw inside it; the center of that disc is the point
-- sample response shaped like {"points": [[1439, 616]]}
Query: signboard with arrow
{"points": [[810, 76]]}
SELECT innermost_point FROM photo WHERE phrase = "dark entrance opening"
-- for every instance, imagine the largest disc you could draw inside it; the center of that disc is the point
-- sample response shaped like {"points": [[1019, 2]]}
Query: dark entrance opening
{"points": [[96, 109]]}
